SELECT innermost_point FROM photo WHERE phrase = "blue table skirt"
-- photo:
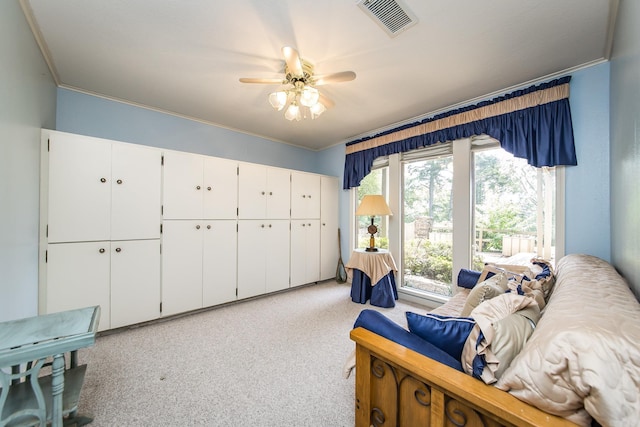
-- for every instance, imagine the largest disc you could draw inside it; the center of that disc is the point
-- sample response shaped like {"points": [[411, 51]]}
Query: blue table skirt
{"points": [[383, 294]]}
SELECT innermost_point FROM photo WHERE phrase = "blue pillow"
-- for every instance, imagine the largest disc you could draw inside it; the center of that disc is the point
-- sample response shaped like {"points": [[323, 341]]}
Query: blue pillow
{"points": [[445, 332], [380, 324], [546, 271], [468, 278]]}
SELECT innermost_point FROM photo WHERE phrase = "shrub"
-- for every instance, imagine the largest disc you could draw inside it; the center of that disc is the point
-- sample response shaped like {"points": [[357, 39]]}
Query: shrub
{"points": [[432, 260]]}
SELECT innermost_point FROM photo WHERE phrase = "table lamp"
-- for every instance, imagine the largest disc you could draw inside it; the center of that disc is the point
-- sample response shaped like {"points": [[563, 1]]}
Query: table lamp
{"points": [[372, 205]]}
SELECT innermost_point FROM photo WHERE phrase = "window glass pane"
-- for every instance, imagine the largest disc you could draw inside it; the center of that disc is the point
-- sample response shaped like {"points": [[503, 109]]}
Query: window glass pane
{"points": [[514, 213], [427, 226], [374, 183]]}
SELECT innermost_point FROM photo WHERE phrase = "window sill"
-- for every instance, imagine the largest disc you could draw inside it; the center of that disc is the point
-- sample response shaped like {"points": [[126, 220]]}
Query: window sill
{"points": [[420, 297]]}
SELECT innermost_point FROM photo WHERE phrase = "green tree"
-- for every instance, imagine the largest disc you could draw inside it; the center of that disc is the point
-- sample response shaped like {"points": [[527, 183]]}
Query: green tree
{"points": [[427, 189]]}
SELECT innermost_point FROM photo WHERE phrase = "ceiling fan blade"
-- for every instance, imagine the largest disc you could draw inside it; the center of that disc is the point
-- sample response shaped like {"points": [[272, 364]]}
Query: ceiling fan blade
{"points": [[292, 59], [343, 76], [326, 101], [258, 80]]}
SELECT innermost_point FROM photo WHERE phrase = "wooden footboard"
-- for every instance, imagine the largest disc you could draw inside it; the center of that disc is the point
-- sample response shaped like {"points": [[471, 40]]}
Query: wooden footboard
{"points": [[396, 386]]}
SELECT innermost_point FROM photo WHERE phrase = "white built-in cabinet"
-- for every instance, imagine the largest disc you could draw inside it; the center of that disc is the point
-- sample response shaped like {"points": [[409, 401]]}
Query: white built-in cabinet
{"points": [[182, 260], [135, 279], [263, 192], [263, 229], [77, 275], [220, 259], [144, 232], [199, 187], [98, 190], [305, 195], [100, 227], [305, 251], [198, 264], [329, 191], [263, 256]]}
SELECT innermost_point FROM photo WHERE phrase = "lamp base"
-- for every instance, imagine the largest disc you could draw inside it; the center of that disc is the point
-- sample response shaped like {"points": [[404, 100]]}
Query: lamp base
{"points": [[372, 241]]}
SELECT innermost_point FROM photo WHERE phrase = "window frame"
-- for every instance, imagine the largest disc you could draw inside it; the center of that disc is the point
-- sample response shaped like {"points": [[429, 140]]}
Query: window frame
{"points": [[463, 200]]}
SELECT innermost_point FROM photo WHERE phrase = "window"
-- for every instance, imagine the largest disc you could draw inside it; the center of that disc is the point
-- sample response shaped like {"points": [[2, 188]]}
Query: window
{"points": [[460, 205], [514, 212], [376, 182], [427, 223]]}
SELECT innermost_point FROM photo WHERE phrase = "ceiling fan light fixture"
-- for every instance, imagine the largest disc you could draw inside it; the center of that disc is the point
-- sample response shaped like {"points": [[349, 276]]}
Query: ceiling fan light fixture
{"points": [[293, 112], [278, 100], [309, 96], [317, 109], [299, 98]]}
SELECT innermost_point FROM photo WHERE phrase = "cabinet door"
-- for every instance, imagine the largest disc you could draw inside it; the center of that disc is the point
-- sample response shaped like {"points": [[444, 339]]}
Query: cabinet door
{"points": [[277, 255], [219, 262], [305, 195], [312, 251], [305, 251], [79, 180], [181, 266], [252, 252], [182, 186], [252, 191], [135, 281], [278, 193], [77, 277], [329, 191], [298, 258], [220, 188], [135, 192]]}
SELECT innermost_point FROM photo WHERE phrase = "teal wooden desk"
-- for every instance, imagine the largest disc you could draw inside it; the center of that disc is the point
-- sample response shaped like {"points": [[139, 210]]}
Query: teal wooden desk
{"points": [[26, 398]]}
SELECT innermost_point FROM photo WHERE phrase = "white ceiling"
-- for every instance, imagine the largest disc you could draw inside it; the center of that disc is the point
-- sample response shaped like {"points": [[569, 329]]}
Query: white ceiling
{"points": [[185, 56]]}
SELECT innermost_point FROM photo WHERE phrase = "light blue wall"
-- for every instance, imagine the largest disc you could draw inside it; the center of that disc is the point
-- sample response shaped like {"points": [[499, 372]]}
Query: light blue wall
{"points": [[588, 206], [27, 103], [625, 144], [103, 118]]}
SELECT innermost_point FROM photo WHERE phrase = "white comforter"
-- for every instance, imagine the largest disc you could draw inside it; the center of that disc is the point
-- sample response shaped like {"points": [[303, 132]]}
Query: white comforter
{"points": [[584, 357]]}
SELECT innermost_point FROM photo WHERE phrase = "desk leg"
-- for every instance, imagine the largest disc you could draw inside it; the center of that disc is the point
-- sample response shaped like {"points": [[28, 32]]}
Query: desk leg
{"points": [[57, 387]]}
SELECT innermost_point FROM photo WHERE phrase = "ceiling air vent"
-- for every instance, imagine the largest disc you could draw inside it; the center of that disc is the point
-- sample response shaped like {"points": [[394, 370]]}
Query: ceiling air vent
{"points": [[392, 15]]}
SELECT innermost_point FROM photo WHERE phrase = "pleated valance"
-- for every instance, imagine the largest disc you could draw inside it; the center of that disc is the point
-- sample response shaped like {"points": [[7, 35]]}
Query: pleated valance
{"points": [[532, 123]]}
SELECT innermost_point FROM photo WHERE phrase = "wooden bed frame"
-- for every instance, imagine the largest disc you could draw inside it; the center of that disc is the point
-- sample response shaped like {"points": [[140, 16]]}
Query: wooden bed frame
{"points": [[396, 386]]}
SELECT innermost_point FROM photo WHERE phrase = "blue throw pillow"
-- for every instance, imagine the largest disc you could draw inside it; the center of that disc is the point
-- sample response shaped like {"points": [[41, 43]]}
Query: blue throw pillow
{"points": [[380, 324], [468, 278], [445, 332]]}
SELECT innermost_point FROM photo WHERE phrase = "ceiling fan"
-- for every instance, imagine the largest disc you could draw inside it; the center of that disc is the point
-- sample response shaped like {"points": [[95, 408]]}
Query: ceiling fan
{"points": [[300, 95]]}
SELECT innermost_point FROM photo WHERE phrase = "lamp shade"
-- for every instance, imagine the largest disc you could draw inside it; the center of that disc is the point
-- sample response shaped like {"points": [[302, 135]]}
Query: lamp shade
{"points": [[373, 205], [278, 100], [309, 96]]}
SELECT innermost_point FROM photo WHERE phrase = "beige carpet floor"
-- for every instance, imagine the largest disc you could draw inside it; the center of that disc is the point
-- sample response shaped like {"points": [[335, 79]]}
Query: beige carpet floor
{"points": [[272, 361]]}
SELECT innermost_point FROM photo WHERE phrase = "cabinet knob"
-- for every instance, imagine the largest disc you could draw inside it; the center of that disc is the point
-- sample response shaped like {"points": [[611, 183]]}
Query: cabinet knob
{"points": [[263, 193], [304, 196], [103, 180], [269, 225], [271, 193], [309, 196], [209, 227], [119, 181], [118, 249], [197, 187], [309, 225], [323, 224], [304, 225], [208, 188], [197, 227], [101, 250], [262, 226]]}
